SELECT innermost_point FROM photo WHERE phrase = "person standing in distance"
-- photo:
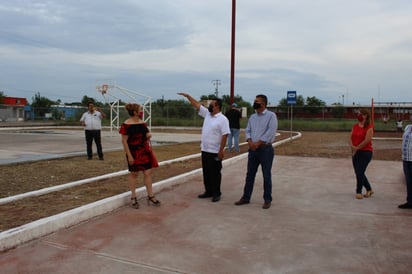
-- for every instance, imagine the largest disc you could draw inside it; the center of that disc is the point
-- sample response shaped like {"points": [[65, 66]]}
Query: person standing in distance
{"points": [[360, 142], [260, 134], [234, 116], [215, 130], [407, 164], [92, 122]]}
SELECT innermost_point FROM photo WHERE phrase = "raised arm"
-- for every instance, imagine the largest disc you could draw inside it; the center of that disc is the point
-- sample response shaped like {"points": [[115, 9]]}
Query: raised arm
{"points": [[101, 112], [195, 103]]}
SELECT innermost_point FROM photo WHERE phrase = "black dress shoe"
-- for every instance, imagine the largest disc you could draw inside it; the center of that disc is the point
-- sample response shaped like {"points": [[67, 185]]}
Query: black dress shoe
{"points": [[216, 198], [266, 205], [204, 195], [241, 202], [405, 205]]}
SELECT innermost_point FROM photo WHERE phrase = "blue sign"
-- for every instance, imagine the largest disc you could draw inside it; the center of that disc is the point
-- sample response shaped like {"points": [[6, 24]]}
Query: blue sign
{"points": [[291, 97]]}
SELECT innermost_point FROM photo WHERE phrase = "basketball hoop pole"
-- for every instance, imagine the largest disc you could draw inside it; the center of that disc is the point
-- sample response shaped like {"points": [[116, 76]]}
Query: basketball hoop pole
{"points": [[112, 97]]}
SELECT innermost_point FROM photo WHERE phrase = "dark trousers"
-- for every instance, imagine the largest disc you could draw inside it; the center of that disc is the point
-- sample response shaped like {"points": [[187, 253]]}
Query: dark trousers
{"points": [[90, 136], [360, 162], [407, 170], [212, 176], [262, 156]]}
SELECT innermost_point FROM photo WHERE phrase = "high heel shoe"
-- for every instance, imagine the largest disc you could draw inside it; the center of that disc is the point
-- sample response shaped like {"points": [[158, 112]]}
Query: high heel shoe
{"points": [[153, 201], [368, 194], [135, 204]]}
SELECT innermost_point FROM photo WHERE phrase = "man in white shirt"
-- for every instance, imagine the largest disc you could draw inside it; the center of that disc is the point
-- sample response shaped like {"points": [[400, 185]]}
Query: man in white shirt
{"points": [[92, 122], [214, 136]]}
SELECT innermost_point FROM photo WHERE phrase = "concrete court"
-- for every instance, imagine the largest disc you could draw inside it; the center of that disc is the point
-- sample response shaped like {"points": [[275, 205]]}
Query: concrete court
{"points": [[39, 143], [315, 225]]}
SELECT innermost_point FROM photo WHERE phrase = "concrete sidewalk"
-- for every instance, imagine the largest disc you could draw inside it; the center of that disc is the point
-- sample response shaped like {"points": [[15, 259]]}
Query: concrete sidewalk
{"points": [[315, 225]]}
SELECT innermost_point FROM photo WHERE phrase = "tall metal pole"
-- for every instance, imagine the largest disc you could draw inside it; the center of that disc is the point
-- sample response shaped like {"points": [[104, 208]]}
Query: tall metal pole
{"points": [[232, 57]]}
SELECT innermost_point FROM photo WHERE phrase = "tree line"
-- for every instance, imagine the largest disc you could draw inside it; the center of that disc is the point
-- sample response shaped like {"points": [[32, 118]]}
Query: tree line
{"points": [[172, 108]]}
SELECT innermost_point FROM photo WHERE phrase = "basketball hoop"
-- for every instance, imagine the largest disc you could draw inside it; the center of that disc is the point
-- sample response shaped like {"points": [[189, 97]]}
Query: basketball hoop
{"points": [[104, 88]]}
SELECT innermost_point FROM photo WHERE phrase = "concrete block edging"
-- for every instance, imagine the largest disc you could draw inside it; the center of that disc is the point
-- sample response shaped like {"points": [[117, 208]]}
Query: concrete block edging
{"points": [[16, 236]]}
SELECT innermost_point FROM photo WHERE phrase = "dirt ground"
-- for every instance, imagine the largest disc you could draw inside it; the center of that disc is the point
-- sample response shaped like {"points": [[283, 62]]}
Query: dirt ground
{"points": [[24, 177]]}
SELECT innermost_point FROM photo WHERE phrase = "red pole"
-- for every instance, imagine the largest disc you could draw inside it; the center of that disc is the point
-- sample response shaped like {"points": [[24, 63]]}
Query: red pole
{"points": [[232, 57], [373, 113]]}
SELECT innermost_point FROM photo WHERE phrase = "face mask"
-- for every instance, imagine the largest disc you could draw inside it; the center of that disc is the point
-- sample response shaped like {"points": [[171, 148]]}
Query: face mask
{"points": [[360, 117], [140, 115], [257, 105], [210, 108]]}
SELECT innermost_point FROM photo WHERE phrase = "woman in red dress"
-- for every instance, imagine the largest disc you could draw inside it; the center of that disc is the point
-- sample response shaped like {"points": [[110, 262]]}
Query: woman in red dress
{"points": [[139, 155], [361, 145]]}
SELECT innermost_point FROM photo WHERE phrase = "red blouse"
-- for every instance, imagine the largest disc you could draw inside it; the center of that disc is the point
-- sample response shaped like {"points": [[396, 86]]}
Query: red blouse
{"points": [[359, 134]]}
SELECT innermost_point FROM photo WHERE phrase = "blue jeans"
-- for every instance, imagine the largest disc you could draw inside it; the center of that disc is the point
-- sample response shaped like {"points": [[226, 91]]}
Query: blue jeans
{"points": [[360, 162], [234, 133], [407, 170], [263, 156]]}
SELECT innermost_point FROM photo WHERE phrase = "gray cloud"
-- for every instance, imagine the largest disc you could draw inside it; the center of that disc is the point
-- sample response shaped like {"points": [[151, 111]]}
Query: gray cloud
{"points": [[323, 48], [92, 26]]}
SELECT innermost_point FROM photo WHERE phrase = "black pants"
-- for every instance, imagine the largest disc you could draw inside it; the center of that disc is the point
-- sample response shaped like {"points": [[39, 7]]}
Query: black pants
{"points": [[90, 136], [212, 176]]}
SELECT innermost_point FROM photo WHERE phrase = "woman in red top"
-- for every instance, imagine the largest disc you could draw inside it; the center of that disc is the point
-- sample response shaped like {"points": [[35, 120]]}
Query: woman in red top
{"points": [[139, 155], [361, 145]]}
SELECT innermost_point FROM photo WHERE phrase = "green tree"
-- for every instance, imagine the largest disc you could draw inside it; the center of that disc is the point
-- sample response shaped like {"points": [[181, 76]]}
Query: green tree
{"points": [[313, 101], [41, 105], [2, 95], [172, 108], [300, 102], [238, 100], [314, 105], [86, 100], [207, 97]]}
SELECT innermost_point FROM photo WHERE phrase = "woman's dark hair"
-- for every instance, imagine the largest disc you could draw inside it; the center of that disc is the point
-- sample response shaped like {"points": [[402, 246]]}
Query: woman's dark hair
{"points": [[131, 108]]}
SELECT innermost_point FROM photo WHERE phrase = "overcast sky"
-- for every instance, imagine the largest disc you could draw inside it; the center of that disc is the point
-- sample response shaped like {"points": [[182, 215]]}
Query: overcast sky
{"points": [[339, 51]]}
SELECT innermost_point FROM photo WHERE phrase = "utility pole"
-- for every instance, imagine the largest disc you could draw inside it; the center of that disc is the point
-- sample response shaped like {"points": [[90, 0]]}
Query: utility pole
{"points": [[216, 83]]}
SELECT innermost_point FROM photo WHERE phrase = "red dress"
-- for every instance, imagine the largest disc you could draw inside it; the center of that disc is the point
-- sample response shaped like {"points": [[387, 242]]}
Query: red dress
{"points": [[139, 146]]}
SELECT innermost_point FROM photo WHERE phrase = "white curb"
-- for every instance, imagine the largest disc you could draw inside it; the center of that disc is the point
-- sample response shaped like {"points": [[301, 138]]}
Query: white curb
{"points": [[28, 232]]}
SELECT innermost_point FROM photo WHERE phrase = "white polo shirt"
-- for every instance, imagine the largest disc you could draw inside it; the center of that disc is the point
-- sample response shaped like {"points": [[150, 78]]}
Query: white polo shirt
{"points": [[214, 127], [93, 120]]}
